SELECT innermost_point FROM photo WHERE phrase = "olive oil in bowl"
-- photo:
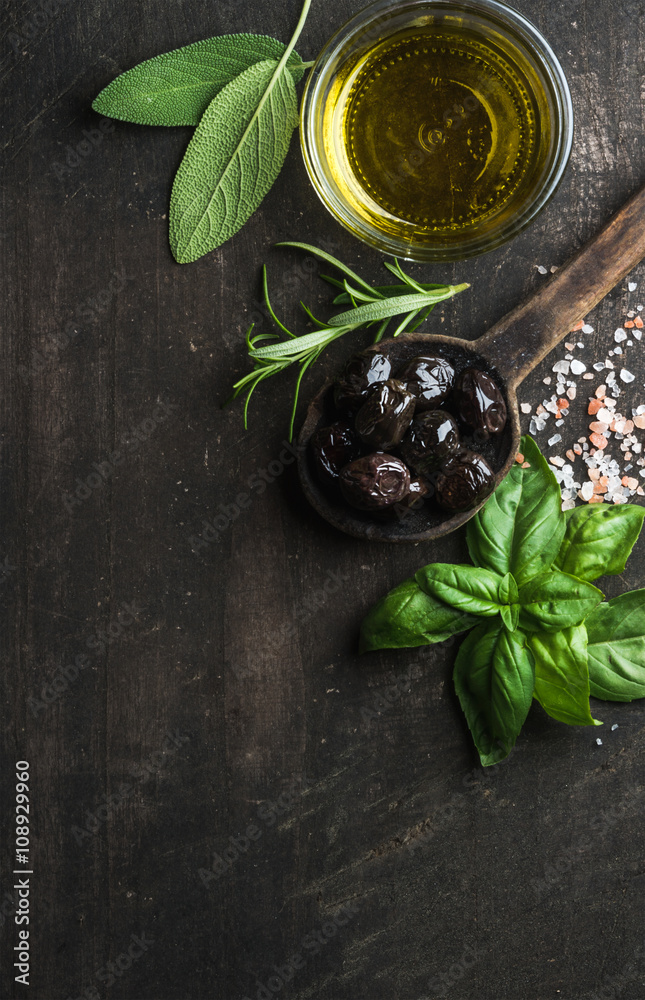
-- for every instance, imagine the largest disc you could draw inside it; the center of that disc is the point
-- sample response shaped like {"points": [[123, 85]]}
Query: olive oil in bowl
{"points": [[435, 136]]}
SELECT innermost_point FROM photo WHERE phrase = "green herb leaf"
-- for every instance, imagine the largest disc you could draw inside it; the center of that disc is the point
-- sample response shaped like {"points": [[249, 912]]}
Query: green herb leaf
{"points": [[616, 648], [494, 678], [555, 600], [599, 539], [520, 528], [562, 675], [510, 616], [384, 308], [464, 588], [175, 88], [508, 592], [408, 617], [232, 160]]}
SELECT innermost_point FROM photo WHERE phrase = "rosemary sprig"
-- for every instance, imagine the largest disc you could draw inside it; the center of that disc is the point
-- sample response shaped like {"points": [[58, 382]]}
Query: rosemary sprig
{"points": [[370, 306]]}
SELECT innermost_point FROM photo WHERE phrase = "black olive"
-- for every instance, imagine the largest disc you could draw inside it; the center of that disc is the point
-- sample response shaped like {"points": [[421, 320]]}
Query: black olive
{"points": [[334, 447], [432, 438], [429, 379], [479, 403], [420, 490], [375, 481], [385, 415], [464, 481], [362, 371]]}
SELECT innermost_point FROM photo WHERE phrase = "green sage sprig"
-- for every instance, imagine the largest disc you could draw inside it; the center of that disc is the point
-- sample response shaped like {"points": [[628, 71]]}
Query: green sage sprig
{"points": [[540, 629], [370, 307], [239, 90]]}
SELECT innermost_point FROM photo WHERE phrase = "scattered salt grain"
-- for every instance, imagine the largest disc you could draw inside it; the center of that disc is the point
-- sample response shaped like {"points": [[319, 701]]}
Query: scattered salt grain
{"points": [[525, 407], [632, 286], [614, 727], [554, 440], [620, 335], [547, 380], [541, 269], [626, 376], [562, 367], [586, 492], [587, 328], [599, 741], [577, 367]]}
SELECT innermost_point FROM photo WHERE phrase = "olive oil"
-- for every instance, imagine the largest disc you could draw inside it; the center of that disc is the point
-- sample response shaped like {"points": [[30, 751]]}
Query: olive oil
{"points": [[436, 133]]}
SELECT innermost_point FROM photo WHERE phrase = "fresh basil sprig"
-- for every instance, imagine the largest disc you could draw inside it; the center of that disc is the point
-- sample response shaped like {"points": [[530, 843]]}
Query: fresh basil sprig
{"points": [[239, 90], [541, 629], [371, 307]]}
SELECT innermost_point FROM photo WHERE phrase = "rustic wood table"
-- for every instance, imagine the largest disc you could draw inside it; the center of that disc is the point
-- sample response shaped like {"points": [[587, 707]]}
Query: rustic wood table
{"points": [[222, 804]]}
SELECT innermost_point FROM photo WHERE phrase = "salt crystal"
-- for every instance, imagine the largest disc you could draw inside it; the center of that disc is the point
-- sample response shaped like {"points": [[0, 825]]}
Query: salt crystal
{"points": [[556, 460], [568, 504], [547, 380], [541, 269], [632, 286], [599, 741], [562, 366], [614, 727], [559, 422], [630, 343], [599, 365], [626, 376], [580, 344], [577, 367], [525, 407], [569, 347], [586, 492], [553, 269], [554, 440], [638, 334], [618, 351], [571, 393], [569, 357], [587, 329], [620, 335], [588, 376]]}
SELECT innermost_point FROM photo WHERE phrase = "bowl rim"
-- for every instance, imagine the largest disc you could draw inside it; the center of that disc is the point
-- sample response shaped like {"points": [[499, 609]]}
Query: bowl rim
{"points": [[536, 48]]}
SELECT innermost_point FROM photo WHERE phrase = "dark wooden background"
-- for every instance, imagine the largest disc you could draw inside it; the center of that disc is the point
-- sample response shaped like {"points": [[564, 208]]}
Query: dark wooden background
{"points": [[236, 649]]}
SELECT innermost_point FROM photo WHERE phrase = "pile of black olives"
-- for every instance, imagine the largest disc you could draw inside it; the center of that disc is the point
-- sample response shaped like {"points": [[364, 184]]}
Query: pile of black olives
{"points": [[399, 436]]}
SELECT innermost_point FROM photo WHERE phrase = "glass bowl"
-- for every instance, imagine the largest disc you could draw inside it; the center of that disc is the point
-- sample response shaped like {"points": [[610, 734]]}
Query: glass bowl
{"points": [[453, 151]]}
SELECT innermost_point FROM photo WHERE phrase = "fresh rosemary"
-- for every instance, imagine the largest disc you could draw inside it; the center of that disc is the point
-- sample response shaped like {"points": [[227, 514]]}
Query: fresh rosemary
{"points": [[370, 306]]}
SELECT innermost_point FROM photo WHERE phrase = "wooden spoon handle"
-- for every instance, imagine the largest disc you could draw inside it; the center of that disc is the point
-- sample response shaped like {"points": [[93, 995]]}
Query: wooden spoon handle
{"points": [[519, 341]]}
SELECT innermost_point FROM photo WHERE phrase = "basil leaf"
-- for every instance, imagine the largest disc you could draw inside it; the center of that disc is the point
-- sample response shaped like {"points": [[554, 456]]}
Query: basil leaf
{"points": [[232, 160], [175, 88], [508, 593], [510, 616], [464, 588], [562, 675], [555, 600], [598, 540], [494, 678], [407, 617], [520, 528], [616, 648]]}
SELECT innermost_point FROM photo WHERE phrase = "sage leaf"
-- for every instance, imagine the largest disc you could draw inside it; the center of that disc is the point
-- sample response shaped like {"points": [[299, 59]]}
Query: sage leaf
{"points": [[232, 160], [598, 540], [616, 648], [562, 675], [175, 88], [407, 617], [520, 528], [464, 588], [494, 679], [555, 600]]}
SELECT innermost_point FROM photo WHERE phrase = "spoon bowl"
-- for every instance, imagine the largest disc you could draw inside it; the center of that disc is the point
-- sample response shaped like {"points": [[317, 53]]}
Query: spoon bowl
{"points": [[508, 352]]}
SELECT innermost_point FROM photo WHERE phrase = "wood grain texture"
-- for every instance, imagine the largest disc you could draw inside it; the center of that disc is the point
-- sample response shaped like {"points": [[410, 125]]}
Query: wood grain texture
{"points": [[521, 884]]}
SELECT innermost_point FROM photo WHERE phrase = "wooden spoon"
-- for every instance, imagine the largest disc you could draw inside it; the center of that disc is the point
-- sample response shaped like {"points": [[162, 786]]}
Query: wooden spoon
{"points": [[509, 351]]}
